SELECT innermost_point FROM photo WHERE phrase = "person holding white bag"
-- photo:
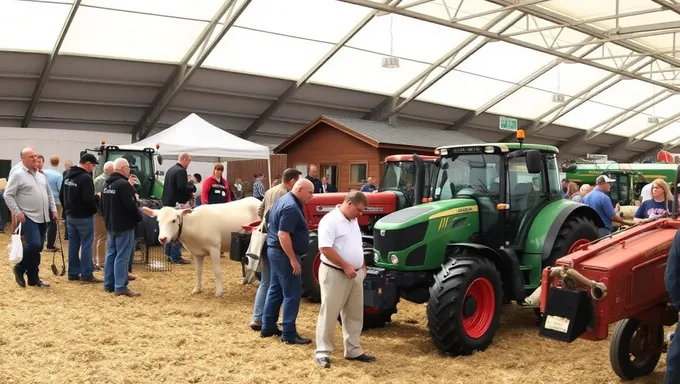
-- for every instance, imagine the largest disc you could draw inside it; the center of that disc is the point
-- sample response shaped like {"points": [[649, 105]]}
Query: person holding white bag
{"points": [[29, 198], [290, 177]]}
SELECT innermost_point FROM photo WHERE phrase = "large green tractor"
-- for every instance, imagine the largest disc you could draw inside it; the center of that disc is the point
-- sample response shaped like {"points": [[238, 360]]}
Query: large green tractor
{"points": [[142, 164], [496, 221]]}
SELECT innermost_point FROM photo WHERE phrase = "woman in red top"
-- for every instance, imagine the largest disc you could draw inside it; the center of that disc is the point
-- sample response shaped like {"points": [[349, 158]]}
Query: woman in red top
{"points": [[216, 188]]}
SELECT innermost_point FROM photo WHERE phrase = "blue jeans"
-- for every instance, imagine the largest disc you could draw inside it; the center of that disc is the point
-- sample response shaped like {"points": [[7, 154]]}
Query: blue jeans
{"points": [[173, 250], [284, 288], [81, 235], [262, 290], [117, 259], [132, 254], [34, 239], [673, 360]]}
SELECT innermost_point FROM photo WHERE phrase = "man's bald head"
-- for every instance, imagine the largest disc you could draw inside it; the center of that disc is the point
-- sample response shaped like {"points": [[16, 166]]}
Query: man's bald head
{"points": [[121, 166], [108, 168], [28, 158], [184, 159], [303, 190]]}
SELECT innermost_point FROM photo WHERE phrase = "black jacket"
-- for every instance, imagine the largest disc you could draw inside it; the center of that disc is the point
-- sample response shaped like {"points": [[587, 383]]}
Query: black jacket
{"points": [[318, 186], [119, 205], [176, 187], [77, 193]]}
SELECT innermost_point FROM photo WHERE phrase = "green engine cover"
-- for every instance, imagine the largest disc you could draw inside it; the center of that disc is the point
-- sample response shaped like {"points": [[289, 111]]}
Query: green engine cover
{"points": [[418, 235], [157, 189]]}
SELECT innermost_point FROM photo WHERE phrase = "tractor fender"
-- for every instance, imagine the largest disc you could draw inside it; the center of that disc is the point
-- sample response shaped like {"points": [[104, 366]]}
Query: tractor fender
{"points": [[568, 210], [506, 262]]}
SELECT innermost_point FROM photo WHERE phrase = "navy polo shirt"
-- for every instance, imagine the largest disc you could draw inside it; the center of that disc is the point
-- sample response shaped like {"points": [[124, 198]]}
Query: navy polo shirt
{"points": [[286, 215]]}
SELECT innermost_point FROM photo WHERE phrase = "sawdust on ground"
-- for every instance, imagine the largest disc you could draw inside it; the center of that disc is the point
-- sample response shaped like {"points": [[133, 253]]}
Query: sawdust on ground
{"points": [[75, 333]]}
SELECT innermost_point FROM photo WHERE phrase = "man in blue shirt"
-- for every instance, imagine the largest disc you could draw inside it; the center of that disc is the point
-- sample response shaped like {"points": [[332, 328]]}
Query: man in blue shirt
{"points": [[598, 200], [54, 180], [287, 241], [369, 187], [672, 281]]}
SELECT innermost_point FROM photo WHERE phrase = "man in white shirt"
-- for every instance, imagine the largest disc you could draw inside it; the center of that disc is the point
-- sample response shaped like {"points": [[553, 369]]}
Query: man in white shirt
{"points": [[341, 279], [646, 193]]}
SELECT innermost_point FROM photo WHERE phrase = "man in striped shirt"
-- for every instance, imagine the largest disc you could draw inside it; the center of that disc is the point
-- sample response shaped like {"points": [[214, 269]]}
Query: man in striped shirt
{"points": [[258, 187]]}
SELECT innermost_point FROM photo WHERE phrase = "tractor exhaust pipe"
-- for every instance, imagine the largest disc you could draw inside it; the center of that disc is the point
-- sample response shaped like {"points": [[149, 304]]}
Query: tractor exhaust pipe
{"points": [[597, 290]]}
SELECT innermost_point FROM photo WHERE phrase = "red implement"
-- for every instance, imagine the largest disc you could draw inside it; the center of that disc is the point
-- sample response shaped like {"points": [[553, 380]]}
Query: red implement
{"points": [[620, 277]]}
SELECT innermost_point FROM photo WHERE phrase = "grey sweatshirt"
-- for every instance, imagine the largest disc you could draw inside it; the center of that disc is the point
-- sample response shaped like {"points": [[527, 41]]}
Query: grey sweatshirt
{"points": [[30, 194]]}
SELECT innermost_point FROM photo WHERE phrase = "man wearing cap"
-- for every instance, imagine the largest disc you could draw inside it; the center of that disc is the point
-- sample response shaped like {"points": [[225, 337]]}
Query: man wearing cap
{"points": [[80, 204], [602, 204]]}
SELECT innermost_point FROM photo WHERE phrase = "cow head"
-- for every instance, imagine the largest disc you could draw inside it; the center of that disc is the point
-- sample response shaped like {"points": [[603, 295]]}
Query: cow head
{"points": [[170, 222]]}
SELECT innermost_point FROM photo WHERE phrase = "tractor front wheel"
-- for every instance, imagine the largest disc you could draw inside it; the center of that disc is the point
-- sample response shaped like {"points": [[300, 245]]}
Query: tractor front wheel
{"points": [[465, 305], [635, 348]]}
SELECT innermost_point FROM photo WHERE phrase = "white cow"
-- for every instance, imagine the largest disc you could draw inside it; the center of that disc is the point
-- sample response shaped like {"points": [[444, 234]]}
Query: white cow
{"points": [[205, 231]]}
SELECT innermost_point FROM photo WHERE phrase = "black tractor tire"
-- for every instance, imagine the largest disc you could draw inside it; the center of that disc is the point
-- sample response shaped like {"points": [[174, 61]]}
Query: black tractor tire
{"points": [[620, 348], [465, 305], [575, 231], [310, 269]]}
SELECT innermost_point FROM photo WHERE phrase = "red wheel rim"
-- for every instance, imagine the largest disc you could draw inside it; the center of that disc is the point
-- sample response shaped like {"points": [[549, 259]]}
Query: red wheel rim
{"points": [[481, 290], [577, 244], [371, 310], [315, 267]]}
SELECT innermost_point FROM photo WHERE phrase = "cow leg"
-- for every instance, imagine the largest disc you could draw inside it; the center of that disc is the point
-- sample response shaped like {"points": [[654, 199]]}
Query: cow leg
{"points": [[198, 264], [215, 256]]}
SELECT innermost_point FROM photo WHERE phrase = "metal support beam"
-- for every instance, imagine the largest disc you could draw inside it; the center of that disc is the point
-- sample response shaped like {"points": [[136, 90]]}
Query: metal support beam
{"points": [[667, 146], [562, 20], [497, 36], [567, 106], [395, 103], [669, 6], [37, 92], [625, 142], [182, 73], [648, 28], [582, 137], [288, 93], [507, 93]]}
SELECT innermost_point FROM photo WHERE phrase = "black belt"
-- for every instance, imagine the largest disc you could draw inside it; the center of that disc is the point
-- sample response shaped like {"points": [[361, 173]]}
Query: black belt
{"points": [[334, 267]]}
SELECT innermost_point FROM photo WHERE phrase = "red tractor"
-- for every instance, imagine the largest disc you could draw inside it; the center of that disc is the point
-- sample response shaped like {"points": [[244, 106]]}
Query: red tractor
{"points": [[405, 182]]}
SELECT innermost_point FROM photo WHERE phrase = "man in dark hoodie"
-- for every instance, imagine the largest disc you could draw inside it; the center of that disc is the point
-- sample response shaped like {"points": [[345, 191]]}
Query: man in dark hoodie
{"points": [[672, 281], [80, 205], [177, 190], [121, 216]]}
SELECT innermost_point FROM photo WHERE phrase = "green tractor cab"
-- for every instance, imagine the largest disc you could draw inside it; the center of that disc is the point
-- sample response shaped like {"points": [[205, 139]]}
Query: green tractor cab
{"points": [[142, 164], [496, 221]]}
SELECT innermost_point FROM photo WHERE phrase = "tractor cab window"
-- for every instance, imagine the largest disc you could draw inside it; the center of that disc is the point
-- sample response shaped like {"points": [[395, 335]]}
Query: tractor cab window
{"points": [[620, 190], [527, 193], [140, 166], [554, 182], [474, 175], [399, 176]]}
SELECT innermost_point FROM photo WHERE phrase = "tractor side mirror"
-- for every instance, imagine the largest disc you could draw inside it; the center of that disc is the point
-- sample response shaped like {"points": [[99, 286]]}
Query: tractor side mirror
{"points": [[533, 161], [159, 157]]}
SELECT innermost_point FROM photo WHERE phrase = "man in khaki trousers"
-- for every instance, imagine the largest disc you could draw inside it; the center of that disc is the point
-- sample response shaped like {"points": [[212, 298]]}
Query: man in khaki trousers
{"points": [[341, 279], [99, 226]]}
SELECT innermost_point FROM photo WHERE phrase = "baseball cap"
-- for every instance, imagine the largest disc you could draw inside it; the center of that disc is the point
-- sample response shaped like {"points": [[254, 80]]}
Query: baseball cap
{"points": [[604, 179], [88, 158]]}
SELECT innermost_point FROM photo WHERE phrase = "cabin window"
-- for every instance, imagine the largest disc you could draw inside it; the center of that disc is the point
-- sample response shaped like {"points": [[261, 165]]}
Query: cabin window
{"points": [[357, 173]]}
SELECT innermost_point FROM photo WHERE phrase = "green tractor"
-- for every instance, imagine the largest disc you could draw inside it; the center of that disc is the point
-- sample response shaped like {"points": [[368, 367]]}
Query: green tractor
{"points": [[496, 220], [142, 164]]}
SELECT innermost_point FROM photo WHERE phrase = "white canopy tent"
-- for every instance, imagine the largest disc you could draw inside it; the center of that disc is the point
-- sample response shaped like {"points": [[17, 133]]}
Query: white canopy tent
{"points": [[204, 142]]}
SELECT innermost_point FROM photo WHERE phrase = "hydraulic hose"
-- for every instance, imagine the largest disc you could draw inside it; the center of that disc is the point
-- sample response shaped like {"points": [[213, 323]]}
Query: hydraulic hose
{"points": [[598, 290]]}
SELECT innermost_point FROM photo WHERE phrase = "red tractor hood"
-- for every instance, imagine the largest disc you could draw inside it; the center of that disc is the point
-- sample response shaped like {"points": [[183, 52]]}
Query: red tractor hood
{"points": [[379, 203]]}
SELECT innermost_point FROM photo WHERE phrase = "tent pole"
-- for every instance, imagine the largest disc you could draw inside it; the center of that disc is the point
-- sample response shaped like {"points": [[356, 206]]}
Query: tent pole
{"points": [[269, 170]]}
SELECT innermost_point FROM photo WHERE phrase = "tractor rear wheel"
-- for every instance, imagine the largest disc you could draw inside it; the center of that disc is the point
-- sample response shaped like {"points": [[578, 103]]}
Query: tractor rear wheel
{"points": [[465, 305], [576, 231], [635, 348]]}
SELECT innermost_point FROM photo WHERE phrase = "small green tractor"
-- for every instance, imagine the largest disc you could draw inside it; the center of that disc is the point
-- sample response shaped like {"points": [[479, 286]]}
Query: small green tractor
{"points": [[496, 220], [142, 164]]}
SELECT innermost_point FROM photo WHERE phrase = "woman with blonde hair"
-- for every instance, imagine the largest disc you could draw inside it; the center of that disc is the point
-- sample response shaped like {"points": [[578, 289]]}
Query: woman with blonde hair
{"points": [[572, 190], [660, 203]]}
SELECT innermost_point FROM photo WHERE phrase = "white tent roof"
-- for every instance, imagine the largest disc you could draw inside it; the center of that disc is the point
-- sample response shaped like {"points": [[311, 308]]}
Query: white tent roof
{"points": [[204, 142]]}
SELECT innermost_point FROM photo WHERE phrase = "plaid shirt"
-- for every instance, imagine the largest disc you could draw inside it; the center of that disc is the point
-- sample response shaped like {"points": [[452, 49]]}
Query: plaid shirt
{"points": [[258, 190]]}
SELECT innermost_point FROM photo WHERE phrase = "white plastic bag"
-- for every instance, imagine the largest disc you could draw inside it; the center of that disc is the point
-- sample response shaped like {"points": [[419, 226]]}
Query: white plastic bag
{"points": [[257, 240], [15, 248]]}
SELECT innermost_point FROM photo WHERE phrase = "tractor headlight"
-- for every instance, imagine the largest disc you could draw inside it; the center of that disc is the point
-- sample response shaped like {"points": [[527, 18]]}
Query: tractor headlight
{"points": [[376, 257], [394, 259]]}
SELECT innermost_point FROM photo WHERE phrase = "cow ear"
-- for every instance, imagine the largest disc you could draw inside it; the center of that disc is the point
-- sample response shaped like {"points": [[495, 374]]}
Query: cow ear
{"points": [[186, 211], [149, 211]]}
